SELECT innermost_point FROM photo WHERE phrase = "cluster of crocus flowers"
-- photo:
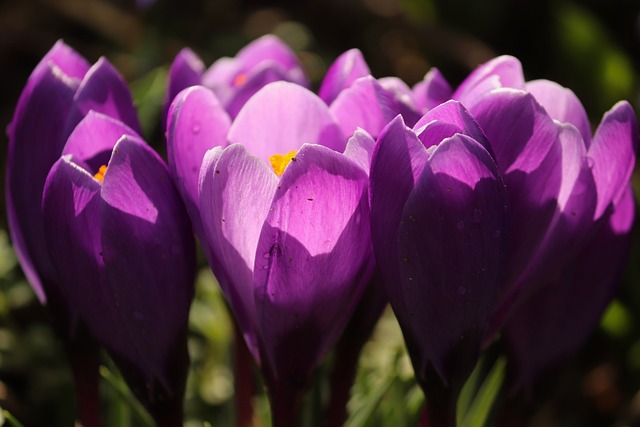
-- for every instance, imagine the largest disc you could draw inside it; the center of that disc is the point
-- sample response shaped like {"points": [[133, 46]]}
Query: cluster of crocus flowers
{"points": [[101, 232], [470, 211]]}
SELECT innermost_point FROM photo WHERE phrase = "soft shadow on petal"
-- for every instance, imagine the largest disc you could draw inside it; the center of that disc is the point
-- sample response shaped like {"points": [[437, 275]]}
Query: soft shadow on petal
{"points": [[311, 260], [451, 249], [432, 91], [397, 162], [35, 143], [186, 70], [258, 125], [236, 192]]}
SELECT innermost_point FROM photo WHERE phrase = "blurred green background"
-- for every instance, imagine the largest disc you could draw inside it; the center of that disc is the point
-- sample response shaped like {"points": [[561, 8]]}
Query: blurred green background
{"points": [[590, 46]]}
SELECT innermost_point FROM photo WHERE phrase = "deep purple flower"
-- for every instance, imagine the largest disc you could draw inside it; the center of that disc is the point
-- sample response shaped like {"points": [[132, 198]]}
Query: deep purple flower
{"points": [[573, 208], [291, 252], [122, 249], [60, 91], [439, 218], [235, 80]]}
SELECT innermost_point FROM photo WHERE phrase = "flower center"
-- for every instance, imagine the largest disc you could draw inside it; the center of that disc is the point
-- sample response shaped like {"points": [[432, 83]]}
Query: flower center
{"points": [[240, 80], [99, 176], [279, 162]]}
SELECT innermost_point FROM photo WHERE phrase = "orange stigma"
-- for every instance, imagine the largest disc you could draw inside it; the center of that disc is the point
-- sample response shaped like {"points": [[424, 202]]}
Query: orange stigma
{"points": [[99, 176], [279, 162], [240, 80]]}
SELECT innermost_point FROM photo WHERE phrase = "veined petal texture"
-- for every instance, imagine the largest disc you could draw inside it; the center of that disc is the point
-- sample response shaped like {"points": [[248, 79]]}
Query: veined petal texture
{"points": [[310, 261]]}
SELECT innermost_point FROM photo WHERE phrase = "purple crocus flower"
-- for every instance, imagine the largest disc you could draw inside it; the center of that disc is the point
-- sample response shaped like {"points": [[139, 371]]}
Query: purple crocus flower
{"points": [[235, 80], [439, 218], [61, 90], [121, 245], [575, 207], [283, 215]]}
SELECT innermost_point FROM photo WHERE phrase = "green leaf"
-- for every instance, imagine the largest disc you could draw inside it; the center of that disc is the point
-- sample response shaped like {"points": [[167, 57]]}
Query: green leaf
{"points": [[480, 408], [124, 396]]}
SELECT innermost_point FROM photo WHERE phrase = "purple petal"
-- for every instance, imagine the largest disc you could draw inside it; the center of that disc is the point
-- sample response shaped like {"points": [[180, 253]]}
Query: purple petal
{"points": [[451, 244], [563, 233], [256, 80], [103, 90], [220, 77], [349, 67], [271, 48], [613, 154], [501, 72], [35, 143], [444, 121], [71, 209], [149, 257], [260, 126], [197, 122], [186, 70], [92, 140], [67, 60], [525, 142], [396, 164], [311, 258], [432, 91], [573, 303], [236, 192], [364, 104], [360, 149], [562, 105]]}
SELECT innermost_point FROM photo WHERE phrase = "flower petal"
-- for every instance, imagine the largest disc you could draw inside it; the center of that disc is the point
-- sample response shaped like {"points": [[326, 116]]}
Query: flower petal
{"points": [[312, 254], [235, 195], [586, 286], [396, 164], [365, 104], [444, 121], [71, 211], [149, 257], [562, 105], [186, 70], [35, 143], [613, 154], [258, 78], [271, 48], [501, 72], [103, 90], [432, 91], [196, 123], [92, 140], [66, 59], [346, 69], [258, 126], [360, 149], [451, 244]]}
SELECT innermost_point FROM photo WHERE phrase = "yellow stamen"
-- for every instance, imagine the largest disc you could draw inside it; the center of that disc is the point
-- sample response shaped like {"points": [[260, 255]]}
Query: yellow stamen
{"points": [[279, 162], [240, 80], [100, 174]]}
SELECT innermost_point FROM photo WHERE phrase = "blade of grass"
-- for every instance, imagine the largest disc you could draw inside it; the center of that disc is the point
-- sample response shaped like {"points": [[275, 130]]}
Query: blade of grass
{"points": [[482, 404], [119, 386]]}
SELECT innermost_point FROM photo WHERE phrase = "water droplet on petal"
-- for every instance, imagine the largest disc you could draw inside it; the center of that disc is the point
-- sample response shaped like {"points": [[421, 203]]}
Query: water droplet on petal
{"points": [[195, 129], [460, 225], [266, 255]]}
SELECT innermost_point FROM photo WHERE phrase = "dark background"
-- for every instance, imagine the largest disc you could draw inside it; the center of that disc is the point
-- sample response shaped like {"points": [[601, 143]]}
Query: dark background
{"points": [[590, 46]]}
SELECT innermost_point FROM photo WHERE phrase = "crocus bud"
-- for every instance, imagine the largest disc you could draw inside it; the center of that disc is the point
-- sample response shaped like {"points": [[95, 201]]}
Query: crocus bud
{"points": [[284, 216], [121, 244], [439, 221], [61, 90]]}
